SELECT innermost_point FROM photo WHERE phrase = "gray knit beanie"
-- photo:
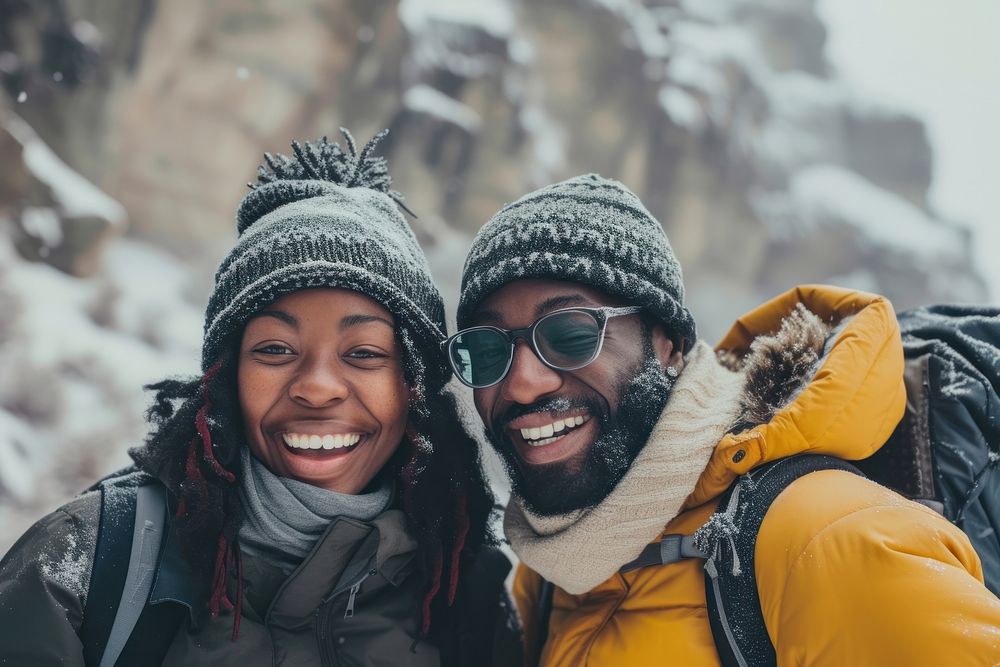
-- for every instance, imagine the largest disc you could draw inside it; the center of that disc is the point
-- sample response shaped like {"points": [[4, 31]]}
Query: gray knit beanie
{"points": [[327, 218], [589, 230]]}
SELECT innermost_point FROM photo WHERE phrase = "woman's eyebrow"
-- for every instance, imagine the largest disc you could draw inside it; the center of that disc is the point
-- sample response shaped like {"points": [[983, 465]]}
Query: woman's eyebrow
{"points": [[355, 320], [288, 319]]}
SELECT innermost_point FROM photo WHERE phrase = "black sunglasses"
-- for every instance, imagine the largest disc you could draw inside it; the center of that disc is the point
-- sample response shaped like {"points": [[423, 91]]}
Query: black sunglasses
{"points": [[564, 340]]}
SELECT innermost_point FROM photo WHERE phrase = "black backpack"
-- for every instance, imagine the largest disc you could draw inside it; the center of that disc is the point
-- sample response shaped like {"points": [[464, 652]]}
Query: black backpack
{"points": [[945, 453]]}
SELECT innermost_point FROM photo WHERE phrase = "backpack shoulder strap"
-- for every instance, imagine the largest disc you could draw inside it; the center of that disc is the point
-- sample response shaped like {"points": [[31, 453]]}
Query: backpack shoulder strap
{"points": [[147, 535], [130, 536], [107, 579], [729, 539]]}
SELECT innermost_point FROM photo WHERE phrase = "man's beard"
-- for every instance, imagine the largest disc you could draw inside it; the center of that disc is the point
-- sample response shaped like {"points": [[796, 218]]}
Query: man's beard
{"points": [[557, 488]]}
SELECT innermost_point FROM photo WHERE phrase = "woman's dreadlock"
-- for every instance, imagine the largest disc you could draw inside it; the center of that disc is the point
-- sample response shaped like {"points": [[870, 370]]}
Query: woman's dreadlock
{"points": [[195, 435], [445, 496]]}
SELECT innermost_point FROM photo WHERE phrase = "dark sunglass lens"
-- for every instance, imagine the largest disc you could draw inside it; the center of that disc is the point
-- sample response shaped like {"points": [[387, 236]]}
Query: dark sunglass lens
{"points": [[568, 340], [480, 356]]}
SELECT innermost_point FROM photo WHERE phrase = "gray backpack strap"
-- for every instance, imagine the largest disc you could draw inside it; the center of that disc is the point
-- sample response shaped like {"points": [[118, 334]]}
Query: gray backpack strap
{"points": [[150, 517], [670, 549]]}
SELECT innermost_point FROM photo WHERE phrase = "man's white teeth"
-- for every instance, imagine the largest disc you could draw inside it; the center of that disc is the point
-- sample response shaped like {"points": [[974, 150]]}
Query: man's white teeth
{"points": [[543, 435], [329, 441]]}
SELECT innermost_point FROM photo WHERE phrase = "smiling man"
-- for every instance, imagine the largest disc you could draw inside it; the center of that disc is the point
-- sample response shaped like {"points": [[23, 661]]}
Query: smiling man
{"points": [[621, 431]]}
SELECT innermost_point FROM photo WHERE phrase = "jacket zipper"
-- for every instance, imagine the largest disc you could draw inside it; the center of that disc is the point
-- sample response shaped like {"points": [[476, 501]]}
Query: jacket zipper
{"points": [[323, 618], [349, 611]]}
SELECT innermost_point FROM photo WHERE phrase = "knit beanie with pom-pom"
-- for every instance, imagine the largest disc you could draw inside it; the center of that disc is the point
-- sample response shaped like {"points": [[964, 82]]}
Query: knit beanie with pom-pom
{"points": [[326, 217]]}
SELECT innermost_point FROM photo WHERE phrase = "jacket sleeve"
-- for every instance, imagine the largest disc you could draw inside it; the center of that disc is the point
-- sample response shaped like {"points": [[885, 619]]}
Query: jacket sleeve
{"points": [[525, 588], [43, 586], [849, 573]]}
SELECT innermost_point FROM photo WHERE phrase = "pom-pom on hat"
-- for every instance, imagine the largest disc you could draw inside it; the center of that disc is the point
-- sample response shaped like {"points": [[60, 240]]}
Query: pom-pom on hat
{"points": [[326, 217], [589, 230]]}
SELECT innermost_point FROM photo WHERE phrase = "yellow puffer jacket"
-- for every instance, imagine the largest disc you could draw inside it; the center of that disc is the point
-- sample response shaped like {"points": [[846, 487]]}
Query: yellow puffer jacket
{"points": [[849, 573]]}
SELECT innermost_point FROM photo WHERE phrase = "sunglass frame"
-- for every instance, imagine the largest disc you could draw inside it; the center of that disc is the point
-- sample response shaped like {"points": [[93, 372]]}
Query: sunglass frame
{"points": [[601, 316]]}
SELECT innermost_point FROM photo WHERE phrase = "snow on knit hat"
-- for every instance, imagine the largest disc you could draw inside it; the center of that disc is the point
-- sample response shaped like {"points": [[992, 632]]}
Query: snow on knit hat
{"points": [[327, 218], [589, 230]]}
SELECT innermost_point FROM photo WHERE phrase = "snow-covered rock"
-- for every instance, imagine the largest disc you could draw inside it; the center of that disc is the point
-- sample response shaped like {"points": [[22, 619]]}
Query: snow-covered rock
{"points": [[60, 218], [765, 169]]}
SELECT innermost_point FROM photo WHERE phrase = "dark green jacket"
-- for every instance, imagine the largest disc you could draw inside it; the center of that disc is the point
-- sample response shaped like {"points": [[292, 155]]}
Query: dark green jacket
{"points": [[297, 619]]}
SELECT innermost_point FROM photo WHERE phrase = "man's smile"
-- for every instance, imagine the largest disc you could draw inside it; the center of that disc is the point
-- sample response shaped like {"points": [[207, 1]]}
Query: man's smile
{"points": [[545, 437]]}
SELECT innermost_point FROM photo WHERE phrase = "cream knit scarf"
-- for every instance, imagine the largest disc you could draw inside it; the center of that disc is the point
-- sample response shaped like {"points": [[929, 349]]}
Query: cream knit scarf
{"points": [[579, 550]]}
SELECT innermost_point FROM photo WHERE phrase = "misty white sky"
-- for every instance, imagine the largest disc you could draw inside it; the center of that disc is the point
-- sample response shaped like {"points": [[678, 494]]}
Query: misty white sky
{"points": [[940, 59]]}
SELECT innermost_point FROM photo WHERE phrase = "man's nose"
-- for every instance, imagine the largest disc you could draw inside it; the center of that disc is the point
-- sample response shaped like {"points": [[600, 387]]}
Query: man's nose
{"points": [[318, 382], [528, 379]]}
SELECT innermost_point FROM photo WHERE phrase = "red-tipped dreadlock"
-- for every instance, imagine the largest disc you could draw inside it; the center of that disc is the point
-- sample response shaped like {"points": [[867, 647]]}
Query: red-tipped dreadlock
{"points": [[419, 457], [227, 553], [462, 530], [425, 625]]}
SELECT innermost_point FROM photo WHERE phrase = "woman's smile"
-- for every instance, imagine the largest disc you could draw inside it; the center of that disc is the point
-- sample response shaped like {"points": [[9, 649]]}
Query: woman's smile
{"points": [[320, 442]]}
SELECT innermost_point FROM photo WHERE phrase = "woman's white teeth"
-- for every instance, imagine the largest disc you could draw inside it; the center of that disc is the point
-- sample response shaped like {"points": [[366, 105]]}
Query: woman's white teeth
{"points": [[543, 435], [329, 441]]}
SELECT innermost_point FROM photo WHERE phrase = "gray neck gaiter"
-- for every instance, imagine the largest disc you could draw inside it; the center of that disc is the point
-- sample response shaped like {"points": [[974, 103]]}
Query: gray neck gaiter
{"points": [[283, 518]]}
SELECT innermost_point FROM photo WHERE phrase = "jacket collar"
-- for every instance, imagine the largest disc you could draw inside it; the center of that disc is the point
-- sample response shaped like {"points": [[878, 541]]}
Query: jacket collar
{"points": [[347, 549]]}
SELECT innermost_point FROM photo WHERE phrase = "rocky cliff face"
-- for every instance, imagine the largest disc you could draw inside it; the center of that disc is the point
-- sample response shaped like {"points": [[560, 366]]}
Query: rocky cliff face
{"points": [[722, 114]]}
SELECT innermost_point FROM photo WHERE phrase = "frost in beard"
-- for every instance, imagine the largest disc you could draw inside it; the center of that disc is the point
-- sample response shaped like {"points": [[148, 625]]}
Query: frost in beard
{"points": [[555, 405], [640, 403], [564, 487]]}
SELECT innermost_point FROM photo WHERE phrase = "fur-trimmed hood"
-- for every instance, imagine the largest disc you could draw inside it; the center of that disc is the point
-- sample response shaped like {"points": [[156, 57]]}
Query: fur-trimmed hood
{"points": [[824, 374]]}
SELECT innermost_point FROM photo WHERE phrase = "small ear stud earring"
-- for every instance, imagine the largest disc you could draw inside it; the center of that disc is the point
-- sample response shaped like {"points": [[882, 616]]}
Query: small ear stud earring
{"points": [[672, 372]]}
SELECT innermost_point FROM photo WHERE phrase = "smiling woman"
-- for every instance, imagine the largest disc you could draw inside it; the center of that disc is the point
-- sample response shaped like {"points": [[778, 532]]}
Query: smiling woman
{"points": [[320, 500]]}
